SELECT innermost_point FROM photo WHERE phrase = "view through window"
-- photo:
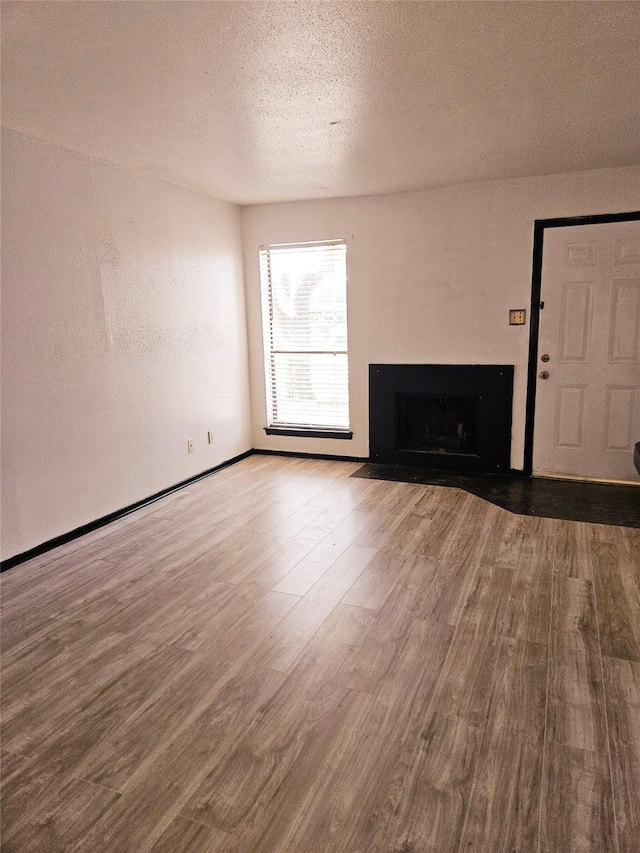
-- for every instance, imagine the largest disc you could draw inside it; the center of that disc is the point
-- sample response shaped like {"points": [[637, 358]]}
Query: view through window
{"points": [[304, 314]]}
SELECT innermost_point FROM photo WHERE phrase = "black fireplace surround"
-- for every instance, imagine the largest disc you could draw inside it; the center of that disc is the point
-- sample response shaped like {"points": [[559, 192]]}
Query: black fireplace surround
{"points": [[448, 417]]}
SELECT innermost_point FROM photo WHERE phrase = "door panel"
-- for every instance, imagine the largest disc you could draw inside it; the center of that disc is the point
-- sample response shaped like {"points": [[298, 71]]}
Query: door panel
{"points": [[575, 324], [620, 408], [624, 336], [570, 409], [587, 415]]}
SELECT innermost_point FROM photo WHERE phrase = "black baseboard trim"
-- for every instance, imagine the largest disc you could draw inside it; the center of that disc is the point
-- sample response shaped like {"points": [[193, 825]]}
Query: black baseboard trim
{"points": [[16, 560], [297, 455]]}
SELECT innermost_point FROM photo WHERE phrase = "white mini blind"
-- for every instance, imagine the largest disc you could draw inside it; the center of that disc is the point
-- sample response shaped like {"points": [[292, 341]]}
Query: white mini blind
{"points": [[304, 318]]}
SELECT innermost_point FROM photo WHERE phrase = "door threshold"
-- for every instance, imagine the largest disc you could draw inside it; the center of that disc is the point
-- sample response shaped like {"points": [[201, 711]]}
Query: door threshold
{"points": [[577, 479]]}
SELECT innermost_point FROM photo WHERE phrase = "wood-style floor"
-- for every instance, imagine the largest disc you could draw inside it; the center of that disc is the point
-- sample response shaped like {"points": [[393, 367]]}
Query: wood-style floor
{"points": [[281, 658]]}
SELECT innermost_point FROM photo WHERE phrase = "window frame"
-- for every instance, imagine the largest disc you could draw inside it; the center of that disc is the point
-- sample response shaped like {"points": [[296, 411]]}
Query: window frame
{"points": [[266, 310]]}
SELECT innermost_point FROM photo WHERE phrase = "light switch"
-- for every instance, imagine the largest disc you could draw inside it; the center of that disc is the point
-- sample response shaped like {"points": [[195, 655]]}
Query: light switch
{"points": [[517, 316]]}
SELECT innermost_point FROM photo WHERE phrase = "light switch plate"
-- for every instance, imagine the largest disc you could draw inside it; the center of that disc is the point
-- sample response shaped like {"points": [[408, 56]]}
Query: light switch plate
{"points": [[517, 316]]}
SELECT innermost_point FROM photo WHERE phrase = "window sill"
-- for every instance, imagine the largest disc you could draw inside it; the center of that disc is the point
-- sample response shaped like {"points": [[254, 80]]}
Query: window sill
{"points": [[310, 432]]}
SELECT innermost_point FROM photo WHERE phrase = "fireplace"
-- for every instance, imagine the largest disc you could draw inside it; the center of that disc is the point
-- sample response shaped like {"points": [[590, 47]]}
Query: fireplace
{"points": [[441, 416]]}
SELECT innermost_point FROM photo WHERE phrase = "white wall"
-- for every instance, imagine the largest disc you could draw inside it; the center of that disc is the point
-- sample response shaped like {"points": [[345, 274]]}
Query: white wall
{"points": [[123, 335], [431, 277]]}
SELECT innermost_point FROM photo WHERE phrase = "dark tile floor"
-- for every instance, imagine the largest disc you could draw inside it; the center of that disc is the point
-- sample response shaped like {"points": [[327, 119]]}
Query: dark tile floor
{"points": [[576, 501]]}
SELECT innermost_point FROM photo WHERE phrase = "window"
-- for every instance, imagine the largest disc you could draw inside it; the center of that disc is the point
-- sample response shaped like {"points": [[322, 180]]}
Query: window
{"points": [[304, 319]]}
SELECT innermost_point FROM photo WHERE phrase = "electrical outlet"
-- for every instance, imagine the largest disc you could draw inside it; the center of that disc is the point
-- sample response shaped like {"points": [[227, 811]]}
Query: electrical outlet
{"points": [[517, 316], [189, 446], [210, 436]]}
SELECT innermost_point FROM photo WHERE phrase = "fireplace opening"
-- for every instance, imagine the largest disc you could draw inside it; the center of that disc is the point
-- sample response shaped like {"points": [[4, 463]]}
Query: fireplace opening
{"points": [[437, 423]]}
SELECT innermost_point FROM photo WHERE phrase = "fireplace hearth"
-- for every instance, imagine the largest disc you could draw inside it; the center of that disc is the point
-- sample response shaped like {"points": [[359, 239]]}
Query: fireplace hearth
{"points": [[441, 416]]}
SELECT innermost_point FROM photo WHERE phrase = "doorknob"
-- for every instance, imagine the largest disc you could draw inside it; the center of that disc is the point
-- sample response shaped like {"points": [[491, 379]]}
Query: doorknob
{"points": [[544, 357], [544, 374]]}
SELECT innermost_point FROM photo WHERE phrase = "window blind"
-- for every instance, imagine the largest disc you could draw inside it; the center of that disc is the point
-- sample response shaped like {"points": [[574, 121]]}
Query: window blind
{"points": [[304, 311]]}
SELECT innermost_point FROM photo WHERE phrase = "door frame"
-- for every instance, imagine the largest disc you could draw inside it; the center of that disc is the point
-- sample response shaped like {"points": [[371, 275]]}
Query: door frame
{"points": [[536, 306]]}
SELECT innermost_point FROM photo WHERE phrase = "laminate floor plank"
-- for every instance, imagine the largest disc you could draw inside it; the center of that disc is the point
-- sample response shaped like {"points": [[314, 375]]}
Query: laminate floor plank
{"points": [[430, 814], [296, 490], [187, 622], [82, 582], [22, 629], [622, 690], [10, 763], [577, 809], [631, 537], [345, 793], [95, 607], [506, 542], [310, 569], [210, 513], [437, 534], [157, 791], [67, 818], [572, 555], [85, 611], [304, 791], [504, 806], [368, 663], [396, 720], [109, 701], [279, 819], [329, 518], [576, 710], [39, 650], [307, 704], [162, 543], [537, 525], [323, 555], [469, 543], [50, 569], [134, 745], [185, 836], [447, 594], [71, 598], [401, 532], [529, 607], [464, 688], [294, 524], [618, 600], [299, 626], [603, 533], [268, 572], [24, 786], [129, 611], [428, 502], [380, 577], [52, 663], [68, 676], [249, 550], [352, 491], [284, 659], [392, 499]]}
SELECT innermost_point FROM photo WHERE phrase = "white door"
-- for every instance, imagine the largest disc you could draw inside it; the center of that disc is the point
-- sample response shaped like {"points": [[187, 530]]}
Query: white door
{"points": [[587, 413]]}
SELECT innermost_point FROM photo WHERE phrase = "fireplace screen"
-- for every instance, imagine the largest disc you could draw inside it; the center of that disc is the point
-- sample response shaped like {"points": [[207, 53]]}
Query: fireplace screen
{"points": [[437, 423]]}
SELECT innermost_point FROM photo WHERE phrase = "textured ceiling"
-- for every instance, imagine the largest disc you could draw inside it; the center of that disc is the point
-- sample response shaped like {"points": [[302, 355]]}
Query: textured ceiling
{"points": [[273, 101]]}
